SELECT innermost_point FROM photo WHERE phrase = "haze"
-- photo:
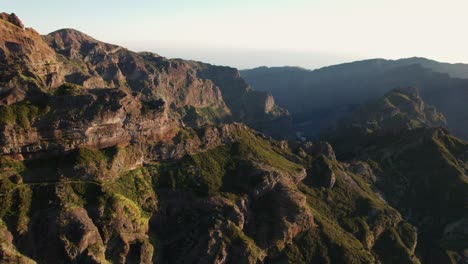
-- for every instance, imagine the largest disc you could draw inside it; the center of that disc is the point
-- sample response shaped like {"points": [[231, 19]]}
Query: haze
{"points": [[246, 34]]}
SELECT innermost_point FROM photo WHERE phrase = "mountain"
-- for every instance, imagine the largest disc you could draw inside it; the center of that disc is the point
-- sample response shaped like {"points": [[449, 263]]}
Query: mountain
{"points": [[423, 174], [400, 109], [318, 98], [66, 90], [420, 167], [240, 198], [113, 156]]}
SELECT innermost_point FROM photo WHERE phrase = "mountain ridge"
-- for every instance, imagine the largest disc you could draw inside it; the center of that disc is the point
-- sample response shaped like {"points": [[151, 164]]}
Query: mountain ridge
{"points": [[68, 73], [113, 156], [320, 93], [442, 67]]}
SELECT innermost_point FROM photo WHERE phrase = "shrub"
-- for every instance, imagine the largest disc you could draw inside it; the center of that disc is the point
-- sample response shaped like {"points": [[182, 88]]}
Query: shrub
{"points": [[21, 114], [67, 89]]}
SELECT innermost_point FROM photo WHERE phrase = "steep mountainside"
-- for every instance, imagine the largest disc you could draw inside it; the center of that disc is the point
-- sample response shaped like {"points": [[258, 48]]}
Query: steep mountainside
{"points": [[317, 98], [67, 89], [239, 198], [112, 156], [422, 173], [421, 168], [400, 109]]}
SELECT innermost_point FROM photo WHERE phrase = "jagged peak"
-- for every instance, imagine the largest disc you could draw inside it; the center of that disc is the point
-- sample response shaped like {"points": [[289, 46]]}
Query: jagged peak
{"points": [[12, 18]]}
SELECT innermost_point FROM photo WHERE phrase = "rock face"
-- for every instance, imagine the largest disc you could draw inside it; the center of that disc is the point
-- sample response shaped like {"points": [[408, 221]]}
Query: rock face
{"points": [[8, 251], [419, 169], [322, 174], [23, 54], [12, 18], [80, 237], [71, 90], [219, 194]]}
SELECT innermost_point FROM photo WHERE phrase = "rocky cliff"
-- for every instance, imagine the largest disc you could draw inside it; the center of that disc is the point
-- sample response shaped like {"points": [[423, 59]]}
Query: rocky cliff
{"points": [[66, 90]]}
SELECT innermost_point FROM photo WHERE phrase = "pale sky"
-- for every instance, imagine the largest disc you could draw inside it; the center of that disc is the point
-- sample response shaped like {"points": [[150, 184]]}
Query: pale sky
{"points": [[250, 33]]}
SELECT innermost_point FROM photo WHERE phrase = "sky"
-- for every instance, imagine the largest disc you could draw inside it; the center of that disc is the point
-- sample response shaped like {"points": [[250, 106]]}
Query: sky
{"points": [[251, 33]]}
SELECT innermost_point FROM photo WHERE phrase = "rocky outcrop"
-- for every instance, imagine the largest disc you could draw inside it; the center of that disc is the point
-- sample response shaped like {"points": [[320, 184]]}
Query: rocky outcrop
{"points": [[280, 214], [242, 227], [26, 61], [80, 237], [322, 173], [317, 148], [197, 140], [400, 109], [12, 18], [363, 169], [411, 171], [8, 251], [105, 118]]}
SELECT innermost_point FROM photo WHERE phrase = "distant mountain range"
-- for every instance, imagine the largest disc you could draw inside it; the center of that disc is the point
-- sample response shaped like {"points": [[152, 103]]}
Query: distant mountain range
{"points": [[319, 94]]}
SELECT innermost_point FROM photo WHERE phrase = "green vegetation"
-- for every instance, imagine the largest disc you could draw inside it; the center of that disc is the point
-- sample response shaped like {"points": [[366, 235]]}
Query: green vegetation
{"points": [[136, 186], [354, 225], [185, 135], [422, 172], [10, 164], [213, 115], [27, 78], [228, 168], [259, 149], [212, 168], [15, 197], [327, 243], [21, 114], [201, 173], [235, 237], [391, 249], [348, 215], [200, 116], [88, 156], [68, 89], [408, 234]]}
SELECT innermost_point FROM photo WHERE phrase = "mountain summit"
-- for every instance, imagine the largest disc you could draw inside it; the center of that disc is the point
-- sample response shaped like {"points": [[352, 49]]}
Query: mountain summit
{"points": [[400, 109]]}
